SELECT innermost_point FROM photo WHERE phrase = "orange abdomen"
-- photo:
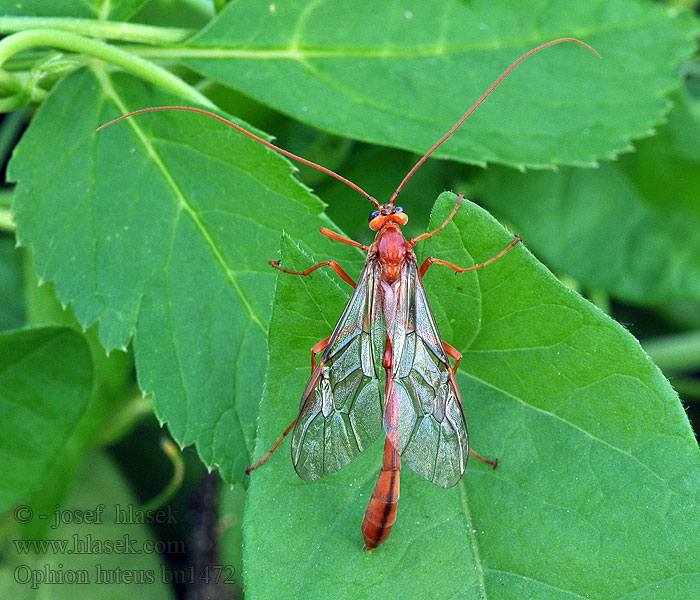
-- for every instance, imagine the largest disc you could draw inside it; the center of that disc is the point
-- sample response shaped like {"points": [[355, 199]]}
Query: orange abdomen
{"points": [[381, 510]]}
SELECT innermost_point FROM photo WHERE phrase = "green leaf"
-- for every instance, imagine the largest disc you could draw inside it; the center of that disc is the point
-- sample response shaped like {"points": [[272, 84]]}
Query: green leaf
{"points": [[402, 76], [45, 383], [631, 228], [11, 297], [113, 370], [597, 492], [107, 574], [192, 14], [163, 226], [111, 391], [231, 506], [86, 9]]}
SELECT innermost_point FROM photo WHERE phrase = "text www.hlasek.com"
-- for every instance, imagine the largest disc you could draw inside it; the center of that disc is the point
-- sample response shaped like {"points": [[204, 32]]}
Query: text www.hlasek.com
{"points": [[87, 544]]}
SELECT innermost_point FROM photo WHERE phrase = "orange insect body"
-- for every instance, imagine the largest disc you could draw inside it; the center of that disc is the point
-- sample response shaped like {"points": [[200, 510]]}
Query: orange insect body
{"points": [[391, 250], [419, 411], [380, 515], [387, 325]]}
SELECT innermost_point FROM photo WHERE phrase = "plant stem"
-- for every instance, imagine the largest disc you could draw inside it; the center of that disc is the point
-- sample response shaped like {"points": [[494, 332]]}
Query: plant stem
{"points": [[123, 421], [6, 222], [63, 40], [601, 299], [6, 197], [687, 388], [569, 282], [10, 131], [126, 32], [175, 482], [25, 61], [679, 352], [12, 83], [685, 4]]}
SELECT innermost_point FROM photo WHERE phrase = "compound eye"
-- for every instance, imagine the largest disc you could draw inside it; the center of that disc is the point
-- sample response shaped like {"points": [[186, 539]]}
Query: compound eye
{"points": [[399, 209], [373, 214]]}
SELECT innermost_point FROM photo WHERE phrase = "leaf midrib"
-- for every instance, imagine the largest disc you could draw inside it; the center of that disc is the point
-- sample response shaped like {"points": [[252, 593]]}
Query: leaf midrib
{"points": [[472, 538], [109, 90], [294, 51]]}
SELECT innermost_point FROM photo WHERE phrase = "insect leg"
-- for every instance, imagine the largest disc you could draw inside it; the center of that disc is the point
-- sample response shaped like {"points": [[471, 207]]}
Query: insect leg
{"points": [[456, 355], [271, 450], [425, 236], [493, 463], [317, 349], [341, 238], [275, 264], [453, 353], [430, 260]]}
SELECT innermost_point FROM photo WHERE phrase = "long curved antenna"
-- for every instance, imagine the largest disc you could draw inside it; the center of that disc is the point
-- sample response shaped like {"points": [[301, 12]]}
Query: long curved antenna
{"points": [[240, 129], [494, 85]]}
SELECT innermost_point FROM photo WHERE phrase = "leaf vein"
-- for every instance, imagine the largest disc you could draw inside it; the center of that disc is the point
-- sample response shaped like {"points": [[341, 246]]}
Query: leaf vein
{"points": [[537, 581], [182, 200], [583, 431], [472, 538]]}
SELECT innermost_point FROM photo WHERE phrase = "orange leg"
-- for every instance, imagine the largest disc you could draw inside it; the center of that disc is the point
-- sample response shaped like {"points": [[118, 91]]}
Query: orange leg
{"points": [[275, 264], [425, 236], [317, 349], [341, 238], [493, 463], [271, 450], [323, 344], [429, 261], [456, 355]]}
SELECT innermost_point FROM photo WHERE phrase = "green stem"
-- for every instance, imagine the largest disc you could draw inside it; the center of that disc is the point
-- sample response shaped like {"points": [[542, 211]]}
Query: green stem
{"points": [[601, 299], [26, 61], [687, 388], [12, 83], [126, 32], [6, 222], [125, 419], [175, 481], [63, 40], [6, 197], [10, 131], [685, 4], [679, 352], [569, 282]]}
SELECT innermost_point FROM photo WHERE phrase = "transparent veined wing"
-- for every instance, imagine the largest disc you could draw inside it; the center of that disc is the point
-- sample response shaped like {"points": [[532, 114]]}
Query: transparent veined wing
{"points": [[423, 416], [341, 409]]}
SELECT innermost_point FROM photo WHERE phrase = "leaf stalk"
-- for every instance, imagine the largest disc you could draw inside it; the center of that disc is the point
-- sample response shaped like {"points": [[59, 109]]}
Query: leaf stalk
{"points": [[71, 42], [6, 222], [113, 30], [674, 353]]}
